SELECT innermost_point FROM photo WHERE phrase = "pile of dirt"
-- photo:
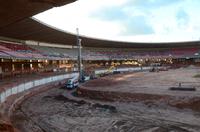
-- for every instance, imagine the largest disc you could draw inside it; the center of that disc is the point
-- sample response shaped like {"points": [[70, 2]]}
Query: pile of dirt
{"points": [[193, 104], [112, 109], [119, 96], [106, 81], [102, 82], [6, 127], [192, 67], [5, 124], [148, 99], [82, 102], [63, 98]]}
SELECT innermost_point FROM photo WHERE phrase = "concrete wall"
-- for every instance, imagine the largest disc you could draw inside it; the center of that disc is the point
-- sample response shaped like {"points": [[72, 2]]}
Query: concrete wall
{"points": [[31, 84]]}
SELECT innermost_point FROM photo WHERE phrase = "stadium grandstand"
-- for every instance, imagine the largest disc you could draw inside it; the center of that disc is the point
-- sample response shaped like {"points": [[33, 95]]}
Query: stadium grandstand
{"points": [[35, 57], [31, 50]]}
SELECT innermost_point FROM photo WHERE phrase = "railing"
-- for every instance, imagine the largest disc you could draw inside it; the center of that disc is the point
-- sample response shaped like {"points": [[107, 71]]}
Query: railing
{"points": [[124, 70], [31, 84]]}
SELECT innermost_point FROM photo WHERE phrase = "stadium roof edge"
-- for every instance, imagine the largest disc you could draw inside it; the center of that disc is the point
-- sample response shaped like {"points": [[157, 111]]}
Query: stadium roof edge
{"points": [[33, 29], [12, 11], [109, 40]]}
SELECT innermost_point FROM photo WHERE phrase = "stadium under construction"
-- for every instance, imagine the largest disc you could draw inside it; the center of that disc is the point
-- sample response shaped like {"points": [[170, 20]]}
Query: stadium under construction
{"points": [[141, 87]]}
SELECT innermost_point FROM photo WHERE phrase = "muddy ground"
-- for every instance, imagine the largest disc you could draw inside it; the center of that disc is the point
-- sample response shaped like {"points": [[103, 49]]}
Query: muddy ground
{"points": [[58, 111], [53, 112], [150, 82]]}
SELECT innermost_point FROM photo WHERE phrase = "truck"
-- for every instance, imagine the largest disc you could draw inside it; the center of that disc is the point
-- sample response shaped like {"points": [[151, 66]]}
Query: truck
{"points": [[72, 83]]}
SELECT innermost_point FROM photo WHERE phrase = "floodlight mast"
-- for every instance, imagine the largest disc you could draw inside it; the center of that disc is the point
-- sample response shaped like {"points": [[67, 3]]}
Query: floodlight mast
{"points": [[79, 56]]}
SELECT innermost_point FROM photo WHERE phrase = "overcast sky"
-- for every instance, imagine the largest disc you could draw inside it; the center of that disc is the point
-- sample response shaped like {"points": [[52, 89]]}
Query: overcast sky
{"points": [[129, 20]]}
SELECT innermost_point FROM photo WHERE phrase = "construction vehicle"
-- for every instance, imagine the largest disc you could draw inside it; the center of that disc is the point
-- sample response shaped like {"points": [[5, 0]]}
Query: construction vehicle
{"points": [[72, 83], [111, 69]]}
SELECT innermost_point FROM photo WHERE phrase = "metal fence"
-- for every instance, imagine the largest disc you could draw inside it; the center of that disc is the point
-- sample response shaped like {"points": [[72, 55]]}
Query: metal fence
{"points": [[134, 69]]}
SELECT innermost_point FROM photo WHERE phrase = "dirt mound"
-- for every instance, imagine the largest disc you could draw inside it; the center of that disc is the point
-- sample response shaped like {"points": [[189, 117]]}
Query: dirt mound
{"points": [[167, 129], [82, 102], [105, 107], [119, 96], [192, 67], [148, 99], [101, 83], [6, 127], [106, 81], [193, 104]]}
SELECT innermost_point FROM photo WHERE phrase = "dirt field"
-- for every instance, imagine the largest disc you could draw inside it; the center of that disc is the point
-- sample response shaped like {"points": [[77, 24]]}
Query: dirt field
{"points": [[150, 82], [58, 111]]}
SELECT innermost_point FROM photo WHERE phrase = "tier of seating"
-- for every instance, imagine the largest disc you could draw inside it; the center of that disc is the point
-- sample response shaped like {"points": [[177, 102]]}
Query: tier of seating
{"points": [[185, 52], [137, 54], [19, 51], [11, 50]]}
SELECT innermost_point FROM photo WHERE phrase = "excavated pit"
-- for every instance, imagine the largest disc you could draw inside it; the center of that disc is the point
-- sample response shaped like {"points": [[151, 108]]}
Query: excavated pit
{"points": [[139, 102]]}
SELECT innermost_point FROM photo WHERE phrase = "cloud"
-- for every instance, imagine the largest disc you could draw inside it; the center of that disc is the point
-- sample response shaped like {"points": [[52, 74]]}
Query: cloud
{"points": [[152, 3], [132, 20], [130, 8], [137, 25], [182, 18], [115, 13]]}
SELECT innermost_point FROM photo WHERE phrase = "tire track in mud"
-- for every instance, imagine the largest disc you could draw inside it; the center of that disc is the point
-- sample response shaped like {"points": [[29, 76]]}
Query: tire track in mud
{"points": [[77, 115], [25, 118]]}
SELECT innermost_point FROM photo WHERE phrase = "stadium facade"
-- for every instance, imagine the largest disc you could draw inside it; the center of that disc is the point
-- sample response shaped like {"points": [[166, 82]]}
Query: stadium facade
{"points": [[30, 46]]}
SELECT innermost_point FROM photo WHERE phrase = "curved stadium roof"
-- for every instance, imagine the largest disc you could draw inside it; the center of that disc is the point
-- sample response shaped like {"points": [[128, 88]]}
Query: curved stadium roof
{"points": [[12, 11], [15, 22]]}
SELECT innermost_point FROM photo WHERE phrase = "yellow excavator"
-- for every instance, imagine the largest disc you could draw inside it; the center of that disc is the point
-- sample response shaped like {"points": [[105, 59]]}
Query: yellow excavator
{"points": [[110, 69]]}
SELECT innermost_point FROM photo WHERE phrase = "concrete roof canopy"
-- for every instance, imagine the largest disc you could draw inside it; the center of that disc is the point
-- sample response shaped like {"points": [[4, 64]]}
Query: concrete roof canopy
{"points": [[12, 11]]}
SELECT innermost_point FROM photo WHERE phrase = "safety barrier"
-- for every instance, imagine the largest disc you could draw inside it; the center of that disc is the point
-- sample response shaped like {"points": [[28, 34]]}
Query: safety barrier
{"points": [[131, 69], [31, 84]]}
